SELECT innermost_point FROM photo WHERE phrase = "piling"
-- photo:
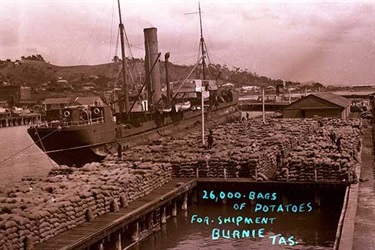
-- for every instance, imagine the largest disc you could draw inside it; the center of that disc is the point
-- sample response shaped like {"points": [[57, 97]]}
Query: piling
{"points": [[174, 208], [118, 241], [163, 215], [185, 202], [317, 198]]}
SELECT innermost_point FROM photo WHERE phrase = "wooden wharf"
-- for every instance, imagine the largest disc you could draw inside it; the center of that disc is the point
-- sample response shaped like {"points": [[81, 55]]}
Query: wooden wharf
{"points": [[88, 234], [6, 120]]}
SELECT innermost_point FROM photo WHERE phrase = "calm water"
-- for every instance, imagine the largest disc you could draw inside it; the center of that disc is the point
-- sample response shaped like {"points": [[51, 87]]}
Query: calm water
{"points": [[314, 230], [25, 158]]}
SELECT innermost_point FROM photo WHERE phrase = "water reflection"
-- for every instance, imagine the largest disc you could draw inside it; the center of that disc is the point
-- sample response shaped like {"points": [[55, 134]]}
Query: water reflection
{"points": [[314, 230]]}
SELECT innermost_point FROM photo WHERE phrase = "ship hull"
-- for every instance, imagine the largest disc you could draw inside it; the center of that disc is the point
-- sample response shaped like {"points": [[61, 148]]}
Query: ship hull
{"points": [[76, 146]]}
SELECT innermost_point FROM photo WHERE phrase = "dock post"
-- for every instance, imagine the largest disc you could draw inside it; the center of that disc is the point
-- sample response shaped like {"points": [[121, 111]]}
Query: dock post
{"points": [[253, 202], [225, 174], [149, 220], [194, 196], [6, 122], [101, 246], [284, 199], [224, 201], [118, 241], [174, 208], [135, 235], [163, 215], [316, 174], [317, 198], [185, 202], [197, 173]]}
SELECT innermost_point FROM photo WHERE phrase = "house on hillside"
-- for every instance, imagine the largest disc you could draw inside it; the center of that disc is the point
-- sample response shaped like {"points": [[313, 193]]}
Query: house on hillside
{"points": [[323, 104]]}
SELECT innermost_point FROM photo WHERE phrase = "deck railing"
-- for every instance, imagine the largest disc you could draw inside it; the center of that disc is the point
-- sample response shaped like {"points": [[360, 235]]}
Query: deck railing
{"points": [[64, 124]]}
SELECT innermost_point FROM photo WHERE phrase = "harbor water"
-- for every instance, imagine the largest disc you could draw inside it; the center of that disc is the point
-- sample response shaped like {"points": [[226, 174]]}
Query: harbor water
{"points": [[20, 157], [315, 230]]}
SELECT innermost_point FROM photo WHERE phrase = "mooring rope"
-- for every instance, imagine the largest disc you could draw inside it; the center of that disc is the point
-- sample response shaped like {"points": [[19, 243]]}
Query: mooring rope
{"points": [[41, 142], [32, 144]]}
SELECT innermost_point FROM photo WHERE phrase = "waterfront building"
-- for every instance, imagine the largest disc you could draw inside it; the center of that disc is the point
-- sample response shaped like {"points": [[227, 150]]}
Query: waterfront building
{"points": [[15, 95], [323, 104]]}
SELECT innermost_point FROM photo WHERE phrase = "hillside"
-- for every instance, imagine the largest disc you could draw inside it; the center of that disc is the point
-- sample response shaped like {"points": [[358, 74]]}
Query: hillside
{"points": [[45, 79]]}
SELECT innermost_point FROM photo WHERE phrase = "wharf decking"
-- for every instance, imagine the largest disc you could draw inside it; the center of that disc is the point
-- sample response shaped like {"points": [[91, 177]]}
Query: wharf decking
{"points": [[90, 232]]}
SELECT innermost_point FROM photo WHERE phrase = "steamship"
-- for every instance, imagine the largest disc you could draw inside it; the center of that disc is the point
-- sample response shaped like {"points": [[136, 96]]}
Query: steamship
{"points": [[77, 135]]}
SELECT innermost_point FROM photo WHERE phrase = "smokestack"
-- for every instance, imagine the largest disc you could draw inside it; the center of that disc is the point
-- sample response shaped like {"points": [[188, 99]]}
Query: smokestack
{"points": [[151, 48]]}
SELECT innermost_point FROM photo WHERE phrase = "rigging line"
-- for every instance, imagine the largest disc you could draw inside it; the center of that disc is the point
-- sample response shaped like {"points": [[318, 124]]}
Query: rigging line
{"points": [[117, 41], [20, 151], [130, 73], [132, 57], [92, 34], [111, 34], [128, 44], [144, 84], [78, 147], [208, 59], [191, 72], [198, 73], [183, 59], [44, 149], [137, 47], [224, 61], [57, 150]]}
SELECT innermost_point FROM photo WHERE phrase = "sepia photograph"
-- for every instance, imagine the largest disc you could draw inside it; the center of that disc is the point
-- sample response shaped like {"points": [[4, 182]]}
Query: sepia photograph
{"points": [[187, 124]]}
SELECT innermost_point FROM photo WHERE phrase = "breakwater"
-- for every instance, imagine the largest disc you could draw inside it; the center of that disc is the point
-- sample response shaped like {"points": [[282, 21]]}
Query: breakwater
{"points": [[40, 208]]}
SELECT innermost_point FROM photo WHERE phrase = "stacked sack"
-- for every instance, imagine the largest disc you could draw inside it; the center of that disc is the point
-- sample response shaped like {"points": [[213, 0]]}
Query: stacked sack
{"points": [[37, 209], [319, 158], [244, 149]]}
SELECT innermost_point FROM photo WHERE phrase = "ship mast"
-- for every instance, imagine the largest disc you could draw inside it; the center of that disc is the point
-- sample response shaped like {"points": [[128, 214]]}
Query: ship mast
{"points": [[202, 43], [124, 68], [204, 85]]}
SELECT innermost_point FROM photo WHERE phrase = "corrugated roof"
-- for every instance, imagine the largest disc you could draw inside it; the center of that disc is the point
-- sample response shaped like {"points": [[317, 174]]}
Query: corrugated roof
{"points": [[57, 100], [333, 98], [354, 93], [87, 100]]}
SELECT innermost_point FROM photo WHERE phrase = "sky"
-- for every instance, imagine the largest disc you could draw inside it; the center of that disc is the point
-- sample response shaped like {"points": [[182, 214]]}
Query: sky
{"points": [[332, 42]]}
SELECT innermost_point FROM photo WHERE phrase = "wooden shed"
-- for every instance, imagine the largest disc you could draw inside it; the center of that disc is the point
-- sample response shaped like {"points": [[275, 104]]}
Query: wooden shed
{"points": [[323, 104]]}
